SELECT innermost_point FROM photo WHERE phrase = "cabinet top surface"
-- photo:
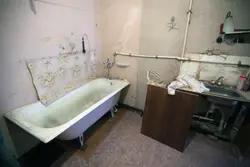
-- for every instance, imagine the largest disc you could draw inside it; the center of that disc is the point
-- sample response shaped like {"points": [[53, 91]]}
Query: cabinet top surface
{"points": [[245, 96]]}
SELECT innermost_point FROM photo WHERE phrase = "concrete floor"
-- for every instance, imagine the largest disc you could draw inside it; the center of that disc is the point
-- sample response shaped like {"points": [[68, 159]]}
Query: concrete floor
{"points": [[118, 142], [94, 137]]}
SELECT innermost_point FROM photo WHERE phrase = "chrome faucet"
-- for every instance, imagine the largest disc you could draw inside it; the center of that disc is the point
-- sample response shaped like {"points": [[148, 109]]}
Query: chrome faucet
{"points": [[108, 64], [218, 81]]}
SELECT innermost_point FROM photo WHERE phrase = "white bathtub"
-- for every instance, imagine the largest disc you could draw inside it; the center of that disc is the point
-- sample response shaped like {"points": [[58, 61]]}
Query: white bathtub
{"points": [[70, 116]]}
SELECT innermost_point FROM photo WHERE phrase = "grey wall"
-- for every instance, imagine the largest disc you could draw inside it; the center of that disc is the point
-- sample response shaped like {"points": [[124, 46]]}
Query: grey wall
{"points": [[206, 20], [119, 23], [156, 39], [155, 36], [152, 36]]}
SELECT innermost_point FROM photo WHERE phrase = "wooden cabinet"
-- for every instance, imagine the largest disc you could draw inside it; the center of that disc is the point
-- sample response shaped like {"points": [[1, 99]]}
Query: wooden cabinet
{"points": [[167, 118]]}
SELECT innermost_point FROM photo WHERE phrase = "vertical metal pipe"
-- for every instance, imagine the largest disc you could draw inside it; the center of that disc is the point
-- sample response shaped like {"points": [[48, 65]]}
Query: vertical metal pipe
{"points": [[187, 28], [186, 31]]}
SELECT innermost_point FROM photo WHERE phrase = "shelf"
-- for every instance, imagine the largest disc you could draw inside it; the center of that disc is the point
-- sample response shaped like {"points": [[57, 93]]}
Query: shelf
{"points": [[237, 32]]}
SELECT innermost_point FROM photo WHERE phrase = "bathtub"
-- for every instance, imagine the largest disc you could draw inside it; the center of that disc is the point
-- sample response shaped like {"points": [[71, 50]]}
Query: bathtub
{"points": [[68, 117]]}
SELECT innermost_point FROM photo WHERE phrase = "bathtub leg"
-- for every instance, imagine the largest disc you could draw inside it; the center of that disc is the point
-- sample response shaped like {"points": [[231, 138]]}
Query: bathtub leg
{"points": [[112, 111], [115, 109], [83, 146]]}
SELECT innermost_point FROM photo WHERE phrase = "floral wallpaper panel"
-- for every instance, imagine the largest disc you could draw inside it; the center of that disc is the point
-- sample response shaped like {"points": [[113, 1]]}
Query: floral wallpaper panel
{"points": [[56, 76]]}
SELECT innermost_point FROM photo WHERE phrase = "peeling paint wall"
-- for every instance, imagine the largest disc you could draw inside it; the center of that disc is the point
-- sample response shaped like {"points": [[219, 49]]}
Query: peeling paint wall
{"points": [[153, 36], [119, 26], [209, 72], [24, 35], [157, 38], [206, 19], [205, 24], [141, 27]]}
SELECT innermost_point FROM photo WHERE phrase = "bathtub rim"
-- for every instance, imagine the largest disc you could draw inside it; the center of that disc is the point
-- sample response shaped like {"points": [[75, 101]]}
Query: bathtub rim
{"points": [[47, 134]]}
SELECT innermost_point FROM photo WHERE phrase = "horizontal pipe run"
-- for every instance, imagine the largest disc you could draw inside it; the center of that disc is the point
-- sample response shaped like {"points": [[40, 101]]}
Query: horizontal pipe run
{"points": [[148, 56], [203, 118], [178, 58]]}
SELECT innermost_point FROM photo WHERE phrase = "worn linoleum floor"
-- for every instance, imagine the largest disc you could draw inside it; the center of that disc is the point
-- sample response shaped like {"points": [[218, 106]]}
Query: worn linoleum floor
{"points": [[125, 146]]}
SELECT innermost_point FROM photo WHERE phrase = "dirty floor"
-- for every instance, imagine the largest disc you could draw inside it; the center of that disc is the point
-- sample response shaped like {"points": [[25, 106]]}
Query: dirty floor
{"points": [[118, 142]]}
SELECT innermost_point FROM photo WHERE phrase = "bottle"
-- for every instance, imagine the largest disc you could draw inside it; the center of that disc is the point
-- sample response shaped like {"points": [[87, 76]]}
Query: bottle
{"points": [[246, 84], [241, 82]]}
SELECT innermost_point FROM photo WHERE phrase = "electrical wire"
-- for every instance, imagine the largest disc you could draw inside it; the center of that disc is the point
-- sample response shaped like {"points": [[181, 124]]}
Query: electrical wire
{"points": [[87, 37], [93, 65]]}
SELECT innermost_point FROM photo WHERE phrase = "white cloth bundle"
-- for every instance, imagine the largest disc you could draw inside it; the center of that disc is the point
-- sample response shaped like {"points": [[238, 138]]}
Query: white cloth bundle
{"points": [[186, 82]]}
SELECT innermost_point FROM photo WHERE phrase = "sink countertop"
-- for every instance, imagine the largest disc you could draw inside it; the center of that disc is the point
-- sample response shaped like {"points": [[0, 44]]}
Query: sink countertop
{"points": [[245, 95]]}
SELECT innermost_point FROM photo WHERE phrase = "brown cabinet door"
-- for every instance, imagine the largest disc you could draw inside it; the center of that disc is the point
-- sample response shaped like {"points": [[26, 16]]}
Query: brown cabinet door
{"points": [[167, 118]]}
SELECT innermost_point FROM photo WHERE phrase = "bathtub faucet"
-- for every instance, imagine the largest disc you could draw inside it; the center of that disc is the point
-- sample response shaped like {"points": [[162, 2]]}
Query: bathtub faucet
{"points": [[108, 65]]}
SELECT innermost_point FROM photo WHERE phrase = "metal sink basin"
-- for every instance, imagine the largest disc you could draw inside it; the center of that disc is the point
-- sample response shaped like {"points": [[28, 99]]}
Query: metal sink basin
{"points": [[223, 91]]}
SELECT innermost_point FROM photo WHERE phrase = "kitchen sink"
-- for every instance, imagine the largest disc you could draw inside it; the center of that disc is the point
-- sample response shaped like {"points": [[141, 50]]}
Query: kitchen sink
{"points": [[223, 91]]}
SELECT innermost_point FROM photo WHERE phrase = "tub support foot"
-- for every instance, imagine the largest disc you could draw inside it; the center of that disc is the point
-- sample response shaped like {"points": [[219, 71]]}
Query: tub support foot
{"points": [[83, 145], [112, 111]]}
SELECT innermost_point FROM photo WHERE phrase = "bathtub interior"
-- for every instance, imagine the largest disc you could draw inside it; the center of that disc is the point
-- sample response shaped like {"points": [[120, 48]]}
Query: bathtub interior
{"points": [[71, 105]]}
